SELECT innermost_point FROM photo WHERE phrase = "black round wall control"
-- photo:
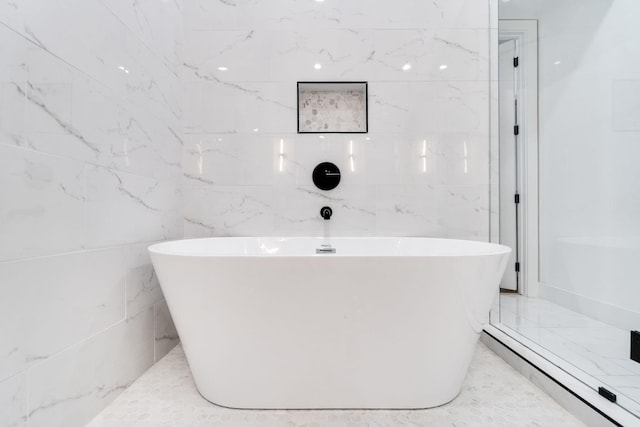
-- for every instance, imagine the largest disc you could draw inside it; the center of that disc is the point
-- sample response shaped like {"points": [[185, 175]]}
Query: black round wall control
{"points": [[326, 176]]}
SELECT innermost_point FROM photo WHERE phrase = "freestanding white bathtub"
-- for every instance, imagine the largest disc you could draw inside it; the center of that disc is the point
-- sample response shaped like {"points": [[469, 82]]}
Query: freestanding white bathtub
{"points": [[381, 323]]}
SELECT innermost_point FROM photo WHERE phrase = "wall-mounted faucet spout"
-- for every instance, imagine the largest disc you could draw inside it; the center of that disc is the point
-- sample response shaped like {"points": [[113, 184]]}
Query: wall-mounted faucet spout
{"points": [[326, 212]]}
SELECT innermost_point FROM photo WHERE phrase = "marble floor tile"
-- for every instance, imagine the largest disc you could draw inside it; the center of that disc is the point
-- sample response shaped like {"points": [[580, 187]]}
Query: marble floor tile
{"points": [[543, 313], [493, 394], [585, 357], [599, 350], [627, 384]]}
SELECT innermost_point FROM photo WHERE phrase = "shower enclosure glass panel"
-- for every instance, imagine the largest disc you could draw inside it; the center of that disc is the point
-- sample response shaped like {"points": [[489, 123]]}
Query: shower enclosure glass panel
{"points": [[588, 296]]}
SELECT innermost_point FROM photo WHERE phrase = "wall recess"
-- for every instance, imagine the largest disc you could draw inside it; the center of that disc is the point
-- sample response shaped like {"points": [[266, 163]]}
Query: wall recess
{"points": [[332, 107]]}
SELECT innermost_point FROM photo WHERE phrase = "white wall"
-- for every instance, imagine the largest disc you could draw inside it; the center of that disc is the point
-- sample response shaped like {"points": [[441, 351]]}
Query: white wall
{"points": [[233, 185], [89, 176], [589, 130]]}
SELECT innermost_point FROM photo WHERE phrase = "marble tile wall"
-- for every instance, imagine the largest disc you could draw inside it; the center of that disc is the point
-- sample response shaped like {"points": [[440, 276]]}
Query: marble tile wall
{"points": [[99, 157], [90, 149], [423, 168]]}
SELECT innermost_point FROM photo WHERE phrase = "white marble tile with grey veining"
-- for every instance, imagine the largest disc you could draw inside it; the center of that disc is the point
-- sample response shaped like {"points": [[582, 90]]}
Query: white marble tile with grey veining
{"points": [[298, 211], [224, 107], [13, 401], [157, 24], [322, 55], [400, 211], [418, 107], [606, 341], [43, 204], [70, 388], [78, 294], [627, 385], [95, 97], [229, 159], [12, 113], [434, 158], [51, 125], [292, 14], [50, 90], [277, 55], [436, 109], [228, 211], [599, 352], [492, 394], [143, 144], [71, 115], [101, 46], [579, 356], [232, 56], [464, 212], [142, 286], [128, 137], [317, 55], [433, 211], [10, 14], [165, 334], [12, 87], [431, 55], [125, 208], [540, 313]]}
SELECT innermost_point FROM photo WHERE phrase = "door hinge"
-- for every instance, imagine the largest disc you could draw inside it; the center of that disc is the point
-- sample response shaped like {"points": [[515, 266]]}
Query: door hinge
{"points": [[516, 198], [517, 267], [516, 130], [516, 62]]}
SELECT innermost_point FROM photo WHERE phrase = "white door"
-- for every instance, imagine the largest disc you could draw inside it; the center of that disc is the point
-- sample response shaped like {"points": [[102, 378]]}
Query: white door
{"points": [[508, 159]]}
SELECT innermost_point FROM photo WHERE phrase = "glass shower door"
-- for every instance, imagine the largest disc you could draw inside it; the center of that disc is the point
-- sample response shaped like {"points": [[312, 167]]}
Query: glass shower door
{"points": [[587, 301]]}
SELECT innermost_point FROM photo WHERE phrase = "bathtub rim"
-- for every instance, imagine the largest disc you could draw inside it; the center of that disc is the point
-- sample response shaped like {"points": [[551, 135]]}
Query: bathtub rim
{"points": [[157, 248]]}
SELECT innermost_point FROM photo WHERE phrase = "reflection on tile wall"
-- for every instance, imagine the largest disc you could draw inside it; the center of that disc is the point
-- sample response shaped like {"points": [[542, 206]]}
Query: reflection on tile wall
{"points": [[423, 168], [90, 146]]}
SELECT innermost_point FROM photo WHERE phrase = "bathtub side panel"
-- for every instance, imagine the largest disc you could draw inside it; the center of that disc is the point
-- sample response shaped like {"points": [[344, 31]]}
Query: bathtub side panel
{"points": [[328, 332]]}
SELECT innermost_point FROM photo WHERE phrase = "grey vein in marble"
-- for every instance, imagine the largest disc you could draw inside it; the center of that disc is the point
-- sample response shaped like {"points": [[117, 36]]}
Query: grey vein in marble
{"points": [[199, 223], [232, 46], [357, 209], [253, 92], [132, 196], [68, 128], [376, 99], [321, 195], [474, 55], [176, 136], [198, 178]]}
